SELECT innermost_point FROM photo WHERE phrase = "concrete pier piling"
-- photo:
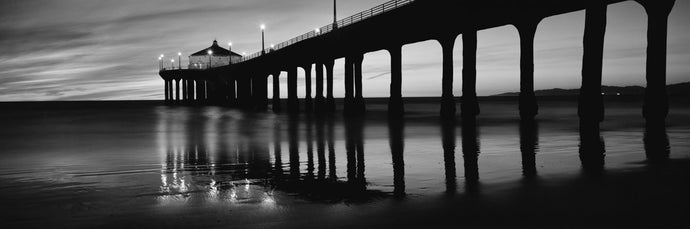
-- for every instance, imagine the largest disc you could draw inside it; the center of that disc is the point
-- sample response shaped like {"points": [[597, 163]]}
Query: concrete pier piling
{"points": [[469, 106], [447, 98], [591, 104], [395, 103]]}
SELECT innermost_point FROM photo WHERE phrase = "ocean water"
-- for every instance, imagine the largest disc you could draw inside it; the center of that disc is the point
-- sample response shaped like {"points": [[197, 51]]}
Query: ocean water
{"points": [[136, 164]]}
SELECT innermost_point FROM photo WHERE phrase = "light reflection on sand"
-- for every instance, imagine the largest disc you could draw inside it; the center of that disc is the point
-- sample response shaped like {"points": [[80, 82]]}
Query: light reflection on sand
{"points": [[188, 159]]}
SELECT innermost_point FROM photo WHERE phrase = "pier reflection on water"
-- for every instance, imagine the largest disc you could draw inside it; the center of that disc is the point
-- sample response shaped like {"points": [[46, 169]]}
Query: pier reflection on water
{"points": [[212, 167], [237, 157]]}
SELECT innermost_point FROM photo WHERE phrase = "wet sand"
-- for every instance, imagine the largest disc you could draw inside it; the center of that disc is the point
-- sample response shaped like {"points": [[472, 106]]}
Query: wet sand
{"points": [[134, 164]]}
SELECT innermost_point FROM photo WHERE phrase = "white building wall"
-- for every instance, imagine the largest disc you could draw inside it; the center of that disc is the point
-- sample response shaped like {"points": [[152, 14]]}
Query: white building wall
{"points": [[201, 62], [236, 59]]}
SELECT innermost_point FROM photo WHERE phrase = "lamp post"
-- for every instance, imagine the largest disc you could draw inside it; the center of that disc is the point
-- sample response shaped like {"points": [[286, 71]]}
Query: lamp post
{"points": [[160, 63], [179, 60], [335, 21], [263, 48], [172, 64], [230, 54], [210, 53]]}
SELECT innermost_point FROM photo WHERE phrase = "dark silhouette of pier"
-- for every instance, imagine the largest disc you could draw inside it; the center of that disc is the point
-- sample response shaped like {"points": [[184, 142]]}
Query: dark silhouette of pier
{"points": [[399, 22]]}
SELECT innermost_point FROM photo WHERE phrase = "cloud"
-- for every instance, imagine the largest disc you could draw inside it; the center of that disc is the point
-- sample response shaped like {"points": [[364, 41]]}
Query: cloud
{"points": [[378, 75], [82, 49], [18, 42], [178, 13]]}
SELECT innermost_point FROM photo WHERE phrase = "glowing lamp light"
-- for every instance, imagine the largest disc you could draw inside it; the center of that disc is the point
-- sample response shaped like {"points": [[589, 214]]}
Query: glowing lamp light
{"points": [[179, 53], [210, 52], [263, 27], [317, 30], [172, 60]]}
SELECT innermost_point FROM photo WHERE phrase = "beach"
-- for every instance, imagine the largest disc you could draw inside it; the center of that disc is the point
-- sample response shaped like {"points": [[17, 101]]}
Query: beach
{"points": [[125, 164]]}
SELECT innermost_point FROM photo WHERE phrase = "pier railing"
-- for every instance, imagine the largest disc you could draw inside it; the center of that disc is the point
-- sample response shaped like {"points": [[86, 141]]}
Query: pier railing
{"points": [[191, 67], [385, 7]]}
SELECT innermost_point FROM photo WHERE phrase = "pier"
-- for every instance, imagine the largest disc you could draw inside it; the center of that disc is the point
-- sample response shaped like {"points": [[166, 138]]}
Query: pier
{"points": [[399, 22]]}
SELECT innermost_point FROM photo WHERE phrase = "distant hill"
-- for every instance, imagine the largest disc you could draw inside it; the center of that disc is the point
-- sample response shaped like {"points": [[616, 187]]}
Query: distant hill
{"points": [[681, 89]]}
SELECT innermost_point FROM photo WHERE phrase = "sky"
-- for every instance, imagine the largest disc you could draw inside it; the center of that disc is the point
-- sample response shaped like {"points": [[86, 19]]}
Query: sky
{"points": [[108, 50]]}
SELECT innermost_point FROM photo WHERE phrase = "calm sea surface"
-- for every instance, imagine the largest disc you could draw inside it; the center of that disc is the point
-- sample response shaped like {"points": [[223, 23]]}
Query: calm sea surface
{"points": [[139, 164]]}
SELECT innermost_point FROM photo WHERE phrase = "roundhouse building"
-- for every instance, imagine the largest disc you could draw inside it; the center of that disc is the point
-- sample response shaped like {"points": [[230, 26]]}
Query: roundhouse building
{"points": [[213, 56]]}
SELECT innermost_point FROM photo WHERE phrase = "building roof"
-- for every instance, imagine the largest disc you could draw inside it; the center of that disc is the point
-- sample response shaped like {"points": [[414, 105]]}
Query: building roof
{"points": [[217, 51]]}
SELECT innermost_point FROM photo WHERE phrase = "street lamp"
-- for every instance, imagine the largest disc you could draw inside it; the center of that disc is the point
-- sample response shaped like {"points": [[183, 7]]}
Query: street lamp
{"points": [[210, 53], [230, 54], [263, 48], [172, 63], [317, 30], [335, 16], [160, 62], [179, 60]]}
